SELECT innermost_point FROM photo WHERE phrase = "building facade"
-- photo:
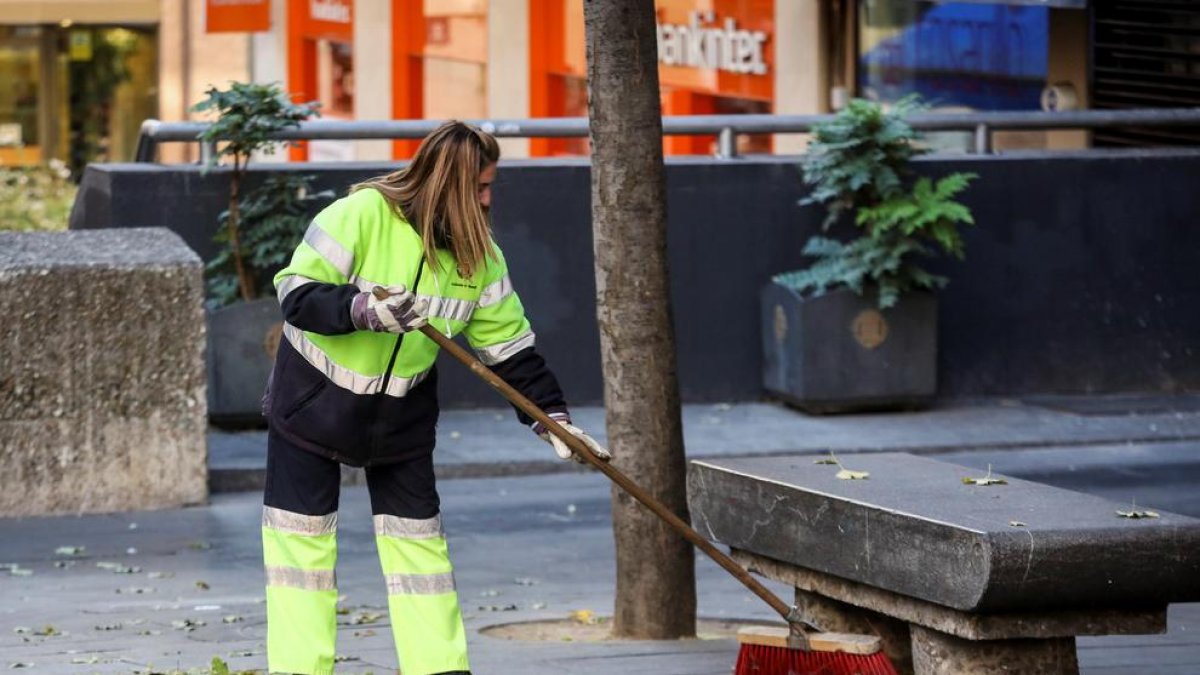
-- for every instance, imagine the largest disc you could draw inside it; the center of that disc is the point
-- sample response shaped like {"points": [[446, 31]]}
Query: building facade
{"points": [[93, 69]]}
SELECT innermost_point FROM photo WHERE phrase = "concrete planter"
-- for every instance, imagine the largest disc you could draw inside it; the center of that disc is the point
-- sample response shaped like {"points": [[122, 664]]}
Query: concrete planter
{"points": [[839, 353], [242, 339]]}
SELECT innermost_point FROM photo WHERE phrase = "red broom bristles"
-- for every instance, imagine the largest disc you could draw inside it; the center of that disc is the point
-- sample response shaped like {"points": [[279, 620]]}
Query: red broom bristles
{"points": [[764, 660]]}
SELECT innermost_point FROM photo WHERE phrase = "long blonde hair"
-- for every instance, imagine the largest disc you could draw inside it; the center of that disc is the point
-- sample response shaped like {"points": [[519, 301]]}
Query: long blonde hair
{"points": [[438, 194]]}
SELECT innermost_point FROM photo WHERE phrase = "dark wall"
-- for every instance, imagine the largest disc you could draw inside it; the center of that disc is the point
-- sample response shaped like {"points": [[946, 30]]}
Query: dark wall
{"points": [[1081, 275]]}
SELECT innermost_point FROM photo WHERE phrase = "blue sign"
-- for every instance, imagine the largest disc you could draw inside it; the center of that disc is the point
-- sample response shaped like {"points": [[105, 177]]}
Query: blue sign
{"points": [[985, 57]]}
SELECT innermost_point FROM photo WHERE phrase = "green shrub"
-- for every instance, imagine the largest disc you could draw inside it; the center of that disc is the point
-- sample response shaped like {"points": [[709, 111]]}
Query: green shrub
{"points": [[860, 163], [248, 115], [274, 218], [36, 198]]}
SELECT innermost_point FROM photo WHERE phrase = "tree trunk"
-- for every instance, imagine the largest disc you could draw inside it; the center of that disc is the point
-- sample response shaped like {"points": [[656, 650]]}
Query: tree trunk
{"points": [[244, 277], [656, 583]]}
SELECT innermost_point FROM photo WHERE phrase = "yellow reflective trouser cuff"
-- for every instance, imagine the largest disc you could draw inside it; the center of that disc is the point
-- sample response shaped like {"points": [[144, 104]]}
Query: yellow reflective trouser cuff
{"points": [[301, 595], [426, 621]]}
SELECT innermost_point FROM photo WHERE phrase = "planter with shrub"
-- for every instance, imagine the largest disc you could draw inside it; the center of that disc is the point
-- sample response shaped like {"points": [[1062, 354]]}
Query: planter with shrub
{"points": [[857, 329]]}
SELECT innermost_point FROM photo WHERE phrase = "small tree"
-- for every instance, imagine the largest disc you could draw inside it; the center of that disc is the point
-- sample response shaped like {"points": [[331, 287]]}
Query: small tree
{"points": [[273, 218], [248, 115], [860, 162]]}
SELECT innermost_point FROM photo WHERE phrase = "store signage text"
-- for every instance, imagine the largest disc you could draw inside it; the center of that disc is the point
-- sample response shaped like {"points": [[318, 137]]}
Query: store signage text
{"points": [[703, 44], [335, 11]]}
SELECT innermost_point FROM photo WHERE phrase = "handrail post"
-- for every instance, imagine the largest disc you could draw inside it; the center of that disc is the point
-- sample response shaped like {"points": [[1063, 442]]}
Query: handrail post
{"points": [[208, 152], [983, 139], [727, 143]]}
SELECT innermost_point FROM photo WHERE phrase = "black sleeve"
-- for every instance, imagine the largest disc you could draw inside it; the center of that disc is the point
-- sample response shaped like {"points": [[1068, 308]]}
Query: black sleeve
{"points": [[320, 308], [526, 371]]}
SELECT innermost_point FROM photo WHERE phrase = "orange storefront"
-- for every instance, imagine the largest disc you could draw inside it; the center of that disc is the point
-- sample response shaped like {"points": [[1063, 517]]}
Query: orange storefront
{"points": [[716, 57]]}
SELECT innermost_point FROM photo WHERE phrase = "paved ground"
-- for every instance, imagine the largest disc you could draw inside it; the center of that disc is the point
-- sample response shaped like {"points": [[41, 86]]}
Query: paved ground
{"points": [[157, 591]]}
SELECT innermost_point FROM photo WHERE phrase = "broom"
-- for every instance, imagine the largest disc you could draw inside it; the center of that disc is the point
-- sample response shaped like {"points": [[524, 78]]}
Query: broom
{"points": [[786, 650]]}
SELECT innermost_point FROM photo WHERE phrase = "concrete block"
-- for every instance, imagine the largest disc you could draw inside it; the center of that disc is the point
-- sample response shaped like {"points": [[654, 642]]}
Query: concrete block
{"points": [[102, 391], [915, 529]]}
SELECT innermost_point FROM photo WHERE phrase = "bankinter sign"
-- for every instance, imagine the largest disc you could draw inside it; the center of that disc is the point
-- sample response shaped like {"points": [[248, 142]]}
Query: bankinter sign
{"points": [[702, 43]]}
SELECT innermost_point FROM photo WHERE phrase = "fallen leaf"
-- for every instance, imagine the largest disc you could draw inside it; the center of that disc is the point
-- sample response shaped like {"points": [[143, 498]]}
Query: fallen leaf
{"points": [[48, 631], [1137, 514], [343, 659], [986, 480], [70, 550], [187, 625], [825, 460], [846, 474], [1016, 523], [21, 664], [202, 585], [1133, 512], [584, 616], [524, 581], [232, 618]]}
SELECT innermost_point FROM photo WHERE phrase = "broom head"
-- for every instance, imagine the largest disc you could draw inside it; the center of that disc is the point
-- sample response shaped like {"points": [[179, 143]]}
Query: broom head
{"points": [[765, 651]]}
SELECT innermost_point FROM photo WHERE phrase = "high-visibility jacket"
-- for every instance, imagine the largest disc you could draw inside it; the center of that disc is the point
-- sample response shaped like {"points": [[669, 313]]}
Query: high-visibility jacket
{"points": [[362, 397]]}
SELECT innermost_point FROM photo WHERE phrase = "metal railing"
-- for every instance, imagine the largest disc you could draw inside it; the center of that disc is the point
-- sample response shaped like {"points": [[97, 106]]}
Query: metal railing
{"points": [[726, 127]]}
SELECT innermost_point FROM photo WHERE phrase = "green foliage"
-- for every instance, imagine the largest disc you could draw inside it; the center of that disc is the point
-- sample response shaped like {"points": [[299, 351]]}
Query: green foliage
{"points": [[36, 198], [274, 218], [860, 163], [859, 157], [247, 115]]}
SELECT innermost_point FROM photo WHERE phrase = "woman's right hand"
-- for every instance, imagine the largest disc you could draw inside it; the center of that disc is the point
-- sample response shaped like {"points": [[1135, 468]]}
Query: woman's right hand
{"points": [[391, 309]]}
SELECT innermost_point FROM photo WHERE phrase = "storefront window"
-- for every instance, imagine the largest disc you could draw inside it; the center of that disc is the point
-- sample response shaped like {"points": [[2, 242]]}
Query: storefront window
{"points": [[75, 93], [19, 64], [962, 55], [455, 59], [336, 83]]}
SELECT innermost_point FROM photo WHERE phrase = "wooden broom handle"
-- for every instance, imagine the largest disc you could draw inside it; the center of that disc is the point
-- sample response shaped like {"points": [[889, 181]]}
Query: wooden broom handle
{"points": [[581, 449]]}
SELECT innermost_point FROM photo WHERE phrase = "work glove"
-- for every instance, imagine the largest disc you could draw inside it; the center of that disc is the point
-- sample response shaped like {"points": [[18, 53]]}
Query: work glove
{"points": [[561, 448], [397, 311]]}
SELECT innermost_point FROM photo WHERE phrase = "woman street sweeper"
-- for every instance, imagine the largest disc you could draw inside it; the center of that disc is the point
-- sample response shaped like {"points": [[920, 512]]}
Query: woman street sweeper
{"points": [[354, 383]]}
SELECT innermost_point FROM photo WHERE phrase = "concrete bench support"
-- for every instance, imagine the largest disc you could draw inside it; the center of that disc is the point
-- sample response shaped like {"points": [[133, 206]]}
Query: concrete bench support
{"points": [[937, 569], [102, 403]]}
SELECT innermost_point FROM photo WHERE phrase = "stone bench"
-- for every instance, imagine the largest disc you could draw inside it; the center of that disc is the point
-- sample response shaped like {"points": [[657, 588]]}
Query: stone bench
{"points": [[955, 578], [102, 404]]}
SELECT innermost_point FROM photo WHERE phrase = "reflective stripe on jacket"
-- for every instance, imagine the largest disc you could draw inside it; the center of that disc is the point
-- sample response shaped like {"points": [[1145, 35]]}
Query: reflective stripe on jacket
{"points": [[332, 390]]}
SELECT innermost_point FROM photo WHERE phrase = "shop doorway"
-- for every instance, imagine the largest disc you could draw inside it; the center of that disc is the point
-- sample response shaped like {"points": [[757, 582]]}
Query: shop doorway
{"points": [[77, 94]]}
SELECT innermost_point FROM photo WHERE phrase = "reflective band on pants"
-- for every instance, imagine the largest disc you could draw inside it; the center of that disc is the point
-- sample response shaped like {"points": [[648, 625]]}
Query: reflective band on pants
{"points": [[426, 621], [299, 555]]}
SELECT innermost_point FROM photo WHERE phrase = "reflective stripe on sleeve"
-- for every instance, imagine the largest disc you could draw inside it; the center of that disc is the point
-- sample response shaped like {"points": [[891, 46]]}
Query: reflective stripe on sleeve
{"points": [[344, 377], [493, 354], [408, 528], [330, 249], [420, 584], [298, 523], [289, 284], [496, 291], [308, 580]]}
